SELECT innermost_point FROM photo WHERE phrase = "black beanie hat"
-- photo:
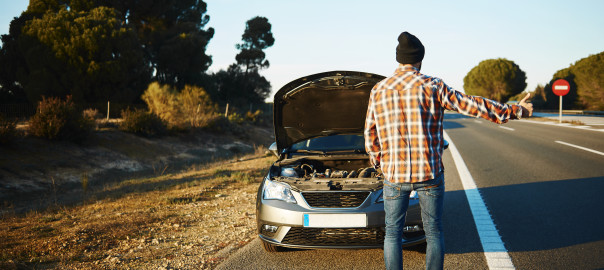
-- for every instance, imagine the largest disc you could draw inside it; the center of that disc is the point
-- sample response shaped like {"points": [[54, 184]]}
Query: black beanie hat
{"points": [[409, 49]]}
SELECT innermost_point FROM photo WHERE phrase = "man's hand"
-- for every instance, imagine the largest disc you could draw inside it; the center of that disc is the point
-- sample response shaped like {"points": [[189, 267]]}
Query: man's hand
{"points": [[527, 107]]}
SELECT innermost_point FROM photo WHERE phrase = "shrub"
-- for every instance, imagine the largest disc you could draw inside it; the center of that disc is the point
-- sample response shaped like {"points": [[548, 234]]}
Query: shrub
{"points": [[8, 130], [142, 122], [189, 108], [91, 114], [222, 124], [236, 118], [254, 117], [161, 101], [58, 119]]}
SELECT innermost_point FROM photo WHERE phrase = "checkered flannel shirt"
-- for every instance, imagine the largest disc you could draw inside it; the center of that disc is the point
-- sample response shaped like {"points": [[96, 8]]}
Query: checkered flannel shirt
{"points": [[404, 123]]}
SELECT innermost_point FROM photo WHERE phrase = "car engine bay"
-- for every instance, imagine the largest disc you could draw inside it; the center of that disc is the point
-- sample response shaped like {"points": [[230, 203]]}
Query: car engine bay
{"points": [[327, 173]]}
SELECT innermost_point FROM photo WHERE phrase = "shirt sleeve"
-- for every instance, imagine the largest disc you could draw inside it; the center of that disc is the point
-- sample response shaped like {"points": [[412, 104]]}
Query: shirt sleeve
{"points": [[372, 142], [476, 106]]}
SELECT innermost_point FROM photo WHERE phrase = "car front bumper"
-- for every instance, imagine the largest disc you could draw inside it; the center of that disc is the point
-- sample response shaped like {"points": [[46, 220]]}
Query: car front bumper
{"points": [[289, 229]]}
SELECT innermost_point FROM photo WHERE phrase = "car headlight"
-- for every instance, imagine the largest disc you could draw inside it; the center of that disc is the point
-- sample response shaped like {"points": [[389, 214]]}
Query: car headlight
{"points": [[380, 199], [277, 191]]}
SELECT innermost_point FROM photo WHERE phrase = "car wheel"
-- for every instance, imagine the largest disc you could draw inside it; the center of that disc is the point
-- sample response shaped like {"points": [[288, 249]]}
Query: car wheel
{"points": [[271, 248]]}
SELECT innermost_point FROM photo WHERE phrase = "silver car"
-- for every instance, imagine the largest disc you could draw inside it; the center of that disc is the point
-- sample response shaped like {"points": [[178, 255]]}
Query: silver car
{"points": [[322, 192]]}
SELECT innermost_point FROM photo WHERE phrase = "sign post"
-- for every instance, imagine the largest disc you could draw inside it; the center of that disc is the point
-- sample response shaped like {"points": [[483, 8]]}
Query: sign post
{"points": [[560, 88]]}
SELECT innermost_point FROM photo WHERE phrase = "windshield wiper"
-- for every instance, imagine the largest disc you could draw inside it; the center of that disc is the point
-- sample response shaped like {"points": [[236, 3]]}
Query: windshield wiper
{"points": [[355, 151], [323, 152], [309, 151]]}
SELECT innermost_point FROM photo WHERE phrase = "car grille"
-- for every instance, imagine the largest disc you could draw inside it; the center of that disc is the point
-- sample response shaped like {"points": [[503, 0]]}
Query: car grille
{"points": [[334, 237], [335, 199]]}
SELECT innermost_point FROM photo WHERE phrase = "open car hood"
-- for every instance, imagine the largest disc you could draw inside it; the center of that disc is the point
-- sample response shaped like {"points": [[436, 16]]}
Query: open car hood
{"points": [[322, 104]]}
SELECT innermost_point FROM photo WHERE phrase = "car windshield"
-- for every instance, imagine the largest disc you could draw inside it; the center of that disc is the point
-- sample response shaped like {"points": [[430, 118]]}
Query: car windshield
{"points": [[332, 143]]}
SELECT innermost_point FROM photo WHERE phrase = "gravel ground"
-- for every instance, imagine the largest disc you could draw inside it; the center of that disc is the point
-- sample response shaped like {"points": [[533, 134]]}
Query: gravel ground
{"points": [[196, 234], [201, 242]]}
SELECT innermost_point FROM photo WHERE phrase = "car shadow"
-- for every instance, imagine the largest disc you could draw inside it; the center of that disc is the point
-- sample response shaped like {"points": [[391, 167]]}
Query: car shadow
{"points": [[531, 217]]}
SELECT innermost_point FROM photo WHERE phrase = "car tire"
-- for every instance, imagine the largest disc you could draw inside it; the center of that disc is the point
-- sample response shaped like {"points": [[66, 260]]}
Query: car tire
{"points": [[271, 248]]}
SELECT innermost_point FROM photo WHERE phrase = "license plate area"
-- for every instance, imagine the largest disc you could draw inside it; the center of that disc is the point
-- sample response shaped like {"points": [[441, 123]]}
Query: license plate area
{"points": [[335, 220]]}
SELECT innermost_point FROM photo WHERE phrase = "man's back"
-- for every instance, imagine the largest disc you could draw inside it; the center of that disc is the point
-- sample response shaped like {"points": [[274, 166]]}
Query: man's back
{"points": [[408, 112], [404, 124]]}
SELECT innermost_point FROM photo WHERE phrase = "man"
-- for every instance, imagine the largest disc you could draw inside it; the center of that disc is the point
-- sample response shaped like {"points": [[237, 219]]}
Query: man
{"points": [[404, 138]]}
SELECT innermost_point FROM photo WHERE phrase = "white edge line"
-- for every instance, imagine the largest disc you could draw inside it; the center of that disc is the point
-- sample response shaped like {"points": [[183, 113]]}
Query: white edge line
{"points": [[508, 128], [561, 125], [573, 145], [495, 252]]}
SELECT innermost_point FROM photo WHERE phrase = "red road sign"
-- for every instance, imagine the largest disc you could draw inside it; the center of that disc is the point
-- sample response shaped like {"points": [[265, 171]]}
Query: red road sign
{"points": [[560, 87]]}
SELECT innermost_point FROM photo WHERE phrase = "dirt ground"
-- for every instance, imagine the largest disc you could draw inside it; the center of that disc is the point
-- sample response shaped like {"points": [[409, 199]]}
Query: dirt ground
{"points": [[124, 202], [34, 171]]}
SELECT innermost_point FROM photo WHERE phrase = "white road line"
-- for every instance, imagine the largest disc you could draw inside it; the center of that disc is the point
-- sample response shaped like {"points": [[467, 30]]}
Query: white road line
{"points": [[495, 252], [508, 128], [478, 121], [563, 125], [572, 145]]}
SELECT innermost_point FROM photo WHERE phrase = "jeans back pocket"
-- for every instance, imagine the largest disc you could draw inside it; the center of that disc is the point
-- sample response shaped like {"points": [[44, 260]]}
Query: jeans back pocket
{"points": [[390, 191]]}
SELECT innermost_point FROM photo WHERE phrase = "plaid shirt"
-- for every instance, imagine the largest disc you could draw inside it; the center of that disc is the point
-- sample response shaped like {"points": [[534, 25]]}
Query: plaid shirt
{"points": [[404, 123]]}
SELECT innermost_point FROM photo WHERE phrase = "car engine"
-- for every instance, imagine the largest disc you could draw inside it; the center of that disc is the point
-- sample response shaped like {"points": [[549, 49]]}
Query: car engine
{"points": [[328, 174]]}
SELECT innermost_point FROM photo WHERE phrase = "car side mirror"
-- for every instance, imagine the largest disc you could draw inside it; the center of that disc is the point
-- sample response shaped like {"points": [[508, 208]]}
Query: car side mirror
{"points": [[273, 149]]}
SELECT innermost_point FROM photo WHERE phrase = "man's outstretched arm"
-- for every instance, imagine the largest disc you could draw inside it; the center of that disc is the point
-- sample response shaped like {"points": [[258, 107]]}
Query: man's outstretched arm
{"points": [[483, 107]]}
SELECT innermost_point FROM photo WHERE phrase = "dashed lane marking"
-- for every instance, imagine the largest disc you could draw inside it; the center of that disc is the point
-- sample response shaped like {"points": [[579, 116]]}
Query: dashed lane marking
{"points": [[508, 128], [495, 252], [576, 146]]}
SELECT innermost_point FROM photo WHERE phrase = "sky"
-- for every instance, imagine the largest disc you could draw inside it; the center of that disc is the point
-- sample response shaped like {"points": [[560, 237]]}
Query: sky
{"points": [[315, 36]]}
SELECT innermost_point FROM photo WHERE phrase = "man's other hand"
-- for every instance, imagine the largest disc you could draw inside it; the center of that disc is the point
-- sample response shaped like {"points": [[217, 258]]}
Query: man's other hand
{"points": [[527, 107]]}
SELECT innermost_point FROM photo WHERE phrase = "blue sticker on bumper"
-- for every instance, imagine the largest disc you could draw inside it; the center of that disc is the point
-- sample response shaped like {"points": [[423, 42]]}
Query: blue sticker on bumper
{"points": [[305, 220]]}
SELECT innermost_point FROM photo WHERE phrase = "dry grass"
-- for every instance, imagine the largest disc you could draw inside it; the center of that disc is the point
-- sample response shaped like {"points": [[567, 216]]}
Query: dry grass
{"points": [[124, 217], [574, 122], [545, 119]]}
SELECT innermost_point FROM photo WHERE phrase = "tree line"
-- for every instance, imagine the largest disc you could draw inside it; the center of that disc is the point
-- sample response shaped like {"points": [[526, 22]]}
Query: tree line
{"points": [[503, 80], [107, 50]]}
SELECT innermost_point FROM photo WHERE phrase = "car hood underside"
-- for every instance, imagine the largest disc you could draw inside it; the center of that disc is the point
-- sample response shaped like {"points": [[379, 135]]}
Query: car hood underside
{"points": [[322, 104]]}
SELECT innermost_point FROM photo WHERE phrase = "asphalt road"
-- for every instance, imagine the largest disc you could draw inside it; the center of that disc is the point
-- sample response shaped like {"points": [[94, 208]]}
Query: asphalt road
{"points": [[543, 185]]}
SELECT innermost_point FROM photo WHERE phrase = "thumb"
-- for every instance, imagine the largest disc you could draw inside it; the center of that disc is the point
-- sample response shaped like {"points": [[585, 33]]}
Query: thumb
{"points": [[525, 98]]}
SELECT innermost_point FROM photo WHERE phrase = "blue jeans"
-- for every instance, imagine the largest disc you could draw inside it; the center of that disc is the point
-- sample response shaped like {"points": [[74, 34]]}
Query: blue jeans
{"points": [[396, 201]]}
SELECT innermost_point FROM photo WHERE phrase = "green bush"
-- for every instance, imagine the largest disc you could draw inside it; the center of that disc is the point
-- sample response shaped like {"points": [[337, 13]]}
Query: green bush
{"points": [[142, 122], [8, 130], [58, 119], [189, 108], [254, 117], [236, 118]]}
